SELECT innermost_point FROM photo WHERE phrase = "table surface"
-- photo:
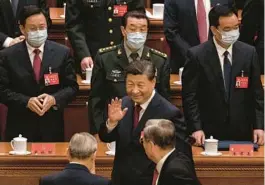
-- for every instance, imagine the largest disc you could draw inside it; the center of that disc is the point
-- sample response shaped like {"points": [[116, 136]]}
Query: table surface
{"points": [[61, 148]]}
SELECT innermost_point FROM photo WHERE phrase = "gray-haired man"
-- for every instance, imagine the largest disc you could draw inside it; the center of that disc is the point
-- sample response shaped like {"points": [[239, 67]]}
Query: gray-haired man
{"points": [[172, 166], [81, 154]]}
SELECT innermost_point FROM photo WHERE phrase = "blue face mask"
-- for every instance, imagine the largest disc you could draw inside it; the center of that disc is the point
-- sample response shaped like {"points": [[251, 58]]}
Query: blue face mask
{"points": [[37, 38], [229, 37], [136, 40]]}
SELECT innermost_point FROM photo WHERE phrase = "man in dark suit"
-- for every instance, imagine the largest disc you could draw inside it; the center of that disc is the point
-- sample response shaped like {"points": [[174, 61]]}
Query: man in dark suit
{"points": [[108, 78], [252, 28], [81, 154], [9, 16], [172, 167], [94, 24], [185, 25], [37, 80], [222, 91], [127, 118]]}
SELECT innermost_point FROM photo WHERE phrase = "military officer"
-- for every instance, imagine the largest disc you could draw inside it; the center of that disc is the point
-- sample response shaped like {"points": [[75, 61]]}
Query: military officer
{"points": [[108, 77], [94, 24]]}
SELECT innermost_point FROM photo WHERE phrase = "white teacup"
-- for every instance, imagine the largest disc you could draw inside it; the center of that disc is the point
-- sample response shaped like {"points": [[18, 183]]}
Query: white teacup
{"points": [[158, 10], [88, 75], [111, 146], [180, 73], [211, 146], [19, 144]]}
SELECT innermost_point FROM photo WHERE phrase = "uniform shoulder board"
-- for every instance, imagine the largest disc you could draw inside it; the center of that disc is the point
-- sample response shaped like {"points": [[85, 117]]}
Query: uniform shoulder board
{"points": [[106, 49], [158, 53]]}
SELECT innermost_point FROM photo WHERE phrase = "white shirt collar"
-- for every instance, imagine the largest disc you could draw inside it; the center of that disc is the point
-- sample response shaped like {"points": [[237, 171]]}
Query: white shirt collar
{"points": [[31, 49], [145, 104], [221, 50], [162, 161]]}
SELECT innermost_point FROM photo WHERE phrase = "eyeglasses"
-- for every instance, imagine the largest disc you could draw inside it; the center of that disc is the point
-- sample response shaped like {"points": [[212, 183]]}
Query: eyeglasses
{"points": [[36, 29]]}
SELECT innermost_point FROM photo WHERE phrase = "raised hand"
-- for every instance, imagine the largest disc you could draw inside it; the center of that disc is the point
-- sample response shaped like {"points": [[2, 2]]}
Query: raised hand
{"points": [[115, 112]]}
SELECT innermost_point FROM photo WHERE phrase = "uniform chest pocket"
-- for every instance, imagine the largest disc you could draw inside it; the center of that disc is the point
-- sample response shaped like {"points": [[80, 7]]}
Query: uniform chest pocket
{"points": [[91, 4], [116, 77]]}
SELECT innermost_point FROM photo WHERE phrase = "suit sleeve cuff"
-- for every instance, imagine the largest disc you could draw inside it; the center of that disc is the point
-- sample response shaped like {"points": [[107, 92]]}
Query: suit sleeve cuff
{"points": [[110, 128], [7, 42]]}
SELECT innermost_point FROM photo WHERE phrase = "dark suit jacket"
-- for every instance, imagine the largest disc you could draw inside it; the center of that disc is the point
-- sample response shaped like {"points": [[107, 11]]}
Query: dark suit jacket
{"points": [[131, 165], [253, 25], [18, 85], [91, 25], [203, 93], [108, 79], [181, 29], [9, 26], [178, 169], [74, 174]]}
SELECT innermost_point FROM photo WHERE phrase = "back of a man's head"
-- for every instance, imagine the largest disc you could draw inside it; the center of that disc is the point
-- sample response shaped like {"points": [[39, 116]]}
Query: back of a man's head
{"points": [[82, 146], [161, 132]]}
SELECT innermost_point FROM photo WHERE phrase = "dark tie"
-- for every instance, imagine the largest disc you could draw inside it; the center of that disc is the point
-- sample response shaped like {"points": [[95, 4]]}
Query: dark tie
{"points": [[37, 64], [134, 56], [227, 73], [14, 6], [136, 114], [155, 176], [202, 21]]}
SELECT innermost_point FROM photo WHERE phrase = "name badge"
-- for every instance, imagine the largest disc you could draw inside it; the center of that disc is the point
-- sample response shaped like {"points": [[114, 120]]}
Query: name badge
{"points": [[51, 79], [241, 82], [119, 10]]}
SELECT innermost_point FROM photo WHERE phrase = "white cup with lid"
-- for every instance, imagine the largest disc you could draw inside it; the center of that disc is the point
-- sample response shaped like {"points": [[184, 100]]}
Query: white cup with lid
{"points": [[19, 144], [158, 10], [211, 146]]}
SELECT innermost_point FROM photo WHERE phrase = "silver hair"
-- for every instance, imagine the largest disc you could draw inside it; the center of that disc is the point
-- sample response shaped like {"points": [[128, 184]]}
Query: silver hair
{"points": [[161, 132], [82, 145]]}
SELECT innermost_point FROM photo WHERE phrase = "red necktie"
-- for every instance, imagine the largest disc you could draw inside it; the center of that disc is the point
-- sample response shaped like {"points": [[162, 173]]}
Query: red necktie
{"points": [[202, 23], [155, 177], [137, 109], [37, 64]]}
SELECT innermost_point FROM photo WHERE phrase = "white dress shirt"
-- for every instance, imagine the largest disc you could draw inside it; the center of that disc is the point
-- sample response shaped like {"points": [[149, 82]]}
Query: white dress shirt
{"points": [[32, 54], [143, 106], [207, 6], [160, 164], [220, 51]]}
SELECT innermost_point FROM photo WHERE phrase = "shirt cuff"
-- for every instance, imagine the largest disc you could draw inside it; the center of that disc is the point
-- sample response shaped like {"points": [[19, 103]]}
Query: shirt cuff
{"points": [[110, 128], [7, 42]]}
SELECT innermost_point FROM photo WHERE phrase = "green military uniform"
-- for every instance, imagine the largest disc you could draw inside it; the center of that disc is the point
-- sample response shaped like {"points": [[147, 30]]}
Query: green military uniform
{"points": [[108, 79], [93, 24]]}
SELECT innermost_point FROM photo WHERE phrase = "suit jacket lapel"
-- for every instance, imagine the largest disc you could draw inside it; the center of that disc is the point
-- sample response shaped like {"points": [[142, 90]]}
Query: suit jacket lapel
{"points": [[146, 53], [214, 62], [150, 112], [24, 55], [47, 59], [191, 5], [121, 54], [127, 124], [237, 66]]}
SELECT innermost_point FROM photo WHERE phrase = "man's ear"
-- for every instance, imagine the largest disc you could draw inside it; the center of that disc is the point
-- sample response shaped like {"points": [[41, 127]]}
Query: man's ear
{"points": [[123, 31], [22, 29]]}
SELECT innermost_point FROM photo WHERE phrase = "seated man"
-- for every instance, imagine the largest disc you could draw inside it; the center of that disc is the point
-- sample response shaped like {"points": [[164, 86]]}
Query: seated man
{"points": [[81, 154], [172, 167], [127, 118], [108, 78]]}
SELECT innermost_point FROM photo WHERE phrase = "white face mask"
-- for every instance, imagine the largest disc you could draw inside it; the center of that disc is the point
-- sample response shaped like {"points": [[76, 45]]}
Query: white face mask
{"points": [[136, 40], [229, 37], [37, 38]]}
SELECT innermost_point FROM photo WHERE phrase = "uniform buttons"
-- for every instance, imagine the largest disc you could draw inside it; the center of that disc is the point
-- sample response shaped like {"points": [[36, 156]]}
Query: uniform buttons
{"points": [[109, 8], [110, 19], [110, 31], [111, 43]]}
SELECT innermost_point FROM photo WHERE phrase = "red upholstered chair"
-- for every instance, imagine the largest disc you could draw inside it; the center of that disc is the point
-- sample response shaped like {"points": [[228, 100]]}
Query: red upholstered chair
{"points": [[3, 114]]}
